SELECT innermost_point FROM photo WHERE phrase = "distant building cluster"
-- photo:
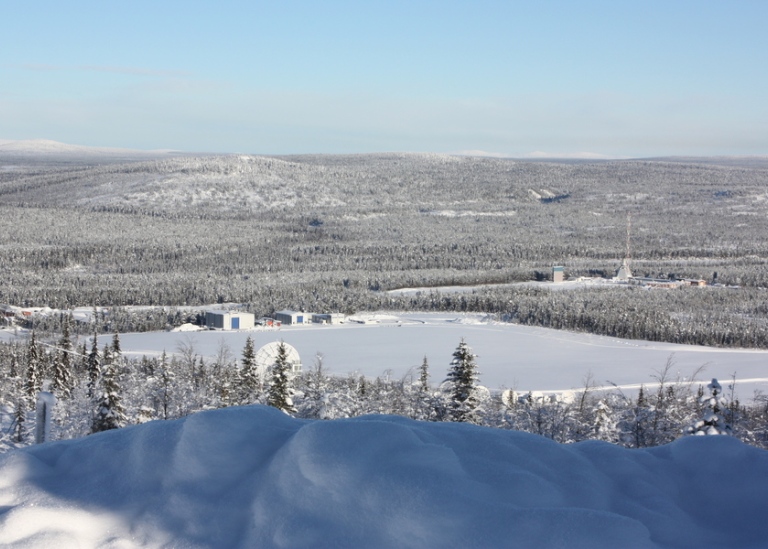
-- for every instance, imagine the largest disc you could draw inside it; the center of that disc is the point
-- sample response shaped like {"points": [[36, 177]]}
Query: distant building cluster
{"points": [[624, 275], [232, 320]]}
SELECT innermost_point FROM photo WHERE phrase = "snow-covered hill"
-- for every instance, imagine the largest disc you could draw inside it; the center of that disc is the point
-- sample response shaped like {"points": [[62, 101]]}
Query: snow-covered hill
{"points": [[46, 149], [354, 186], [253, 477]]}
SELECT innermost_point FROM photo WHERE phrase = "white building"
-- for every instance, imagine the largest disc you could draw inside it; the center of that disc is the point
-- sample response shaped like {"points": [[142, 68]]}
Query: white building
{"points": [[229, 320], [293, 317], [328, 318]]}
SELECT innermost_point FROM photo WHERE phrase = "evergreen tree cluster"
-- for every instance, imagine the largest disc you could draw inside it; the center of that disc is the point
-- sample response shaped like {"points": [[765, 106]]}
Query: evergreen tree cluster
{"points": [[123, 391]]}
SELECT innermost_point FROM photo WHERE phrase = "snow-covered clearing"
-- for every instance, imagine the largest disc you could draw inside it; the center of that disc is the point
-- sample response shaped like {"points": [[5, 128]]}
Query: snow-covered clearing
{"points": [[574, 284], [509, 355], [254, 477]]}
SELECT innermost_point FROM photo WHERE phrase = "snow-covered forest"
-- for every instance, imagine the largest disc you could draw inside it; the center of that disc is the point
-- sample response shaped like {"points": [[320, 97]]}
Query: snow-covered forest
{"points": [[334, 233], [186, 449], [337, 234], [97, 388]]}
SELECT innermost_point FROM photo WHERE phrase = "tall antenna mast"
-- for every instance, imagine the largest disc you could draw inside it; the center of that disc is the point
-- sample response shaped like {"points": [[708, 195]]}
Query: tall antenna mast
{"points": [[628, 255], [624, 273]]}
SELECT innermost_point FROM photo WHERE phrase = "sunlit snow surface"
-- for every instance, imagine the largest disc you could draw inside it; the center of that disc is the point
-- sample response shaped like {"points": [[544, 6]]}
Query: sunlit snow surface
{"points": [[509, 355], [253, 477]]}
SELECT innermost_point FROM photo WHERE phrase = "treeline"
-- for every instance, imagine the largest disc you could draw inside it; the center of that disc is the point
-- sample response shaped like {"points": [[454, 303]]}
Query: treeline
{"points": [[714, 316], [98, 389]]}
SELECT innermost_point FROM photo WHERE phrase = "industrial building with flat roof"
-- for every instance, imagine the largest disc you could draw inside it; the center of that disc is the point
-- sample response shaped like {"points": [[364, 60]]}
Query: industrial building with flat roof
{"points": [[229, 320]]}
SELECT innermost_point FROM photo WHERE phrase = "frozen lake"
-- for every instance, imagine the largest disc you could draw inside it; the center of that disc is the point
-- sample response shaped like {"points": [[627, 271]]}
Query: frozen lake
{"points": [[509, 356]]}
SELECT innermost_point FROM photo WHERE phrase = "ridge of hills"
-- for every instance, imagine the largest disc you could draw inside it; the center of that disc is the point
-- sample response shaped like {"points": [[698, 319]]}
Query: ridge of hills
{"points": [[226, 185]]}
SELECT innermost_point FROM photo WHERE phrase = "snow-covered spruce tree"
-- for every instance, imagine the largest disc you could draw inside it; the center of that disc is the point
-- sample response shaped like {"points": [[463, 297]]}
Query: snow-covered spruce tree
{"points": [[109, 413], [19, 420], [424, 375], [605, 425], [63, 375], [106, 358], [424, 407], [81, 366], [94, 367], [634, 424], [315, 387], [117, 351], [713, 420], [13, 370], [250, 381], [33, 382], [461, 386], [280, 393]]}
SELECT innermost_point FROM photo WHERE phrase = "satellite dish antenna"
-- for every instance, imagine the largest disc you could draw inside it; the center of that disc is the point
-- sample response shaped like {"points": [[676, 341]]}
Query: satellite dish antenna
{"points": [[265, 357]]}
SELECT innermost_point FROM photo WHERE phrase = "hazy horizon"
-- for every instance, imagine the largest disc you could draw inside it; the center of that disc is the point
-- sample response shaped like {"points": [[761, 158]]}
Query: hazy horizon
{"points": [[592, 79]]}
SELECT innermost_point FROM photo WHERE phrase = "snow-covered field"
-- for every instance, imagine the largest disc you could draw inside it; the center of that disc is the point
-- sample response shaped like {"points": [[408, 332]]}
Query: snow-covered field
{"points": [[254, 477], [509, 356]]}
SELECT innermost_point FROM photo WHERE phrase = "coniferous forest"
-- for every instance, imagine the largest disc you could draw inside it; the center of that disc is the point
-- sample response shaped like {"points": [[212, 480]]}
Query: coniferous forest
{"points": [[338, 233], [98, 389]]}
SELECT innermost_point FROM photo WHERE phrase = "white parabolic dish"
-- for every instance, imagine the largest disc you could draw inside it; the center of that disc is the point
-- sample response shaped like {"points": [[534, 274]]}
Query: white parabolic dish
{"points": [[265, 357]]}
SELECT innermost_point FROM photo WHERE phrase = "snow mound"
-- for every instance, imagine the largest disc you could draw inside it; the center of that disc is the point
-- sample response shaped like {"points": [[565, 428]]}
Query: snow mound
{"points": [[374, 318], [254, 477], [187, 327]]}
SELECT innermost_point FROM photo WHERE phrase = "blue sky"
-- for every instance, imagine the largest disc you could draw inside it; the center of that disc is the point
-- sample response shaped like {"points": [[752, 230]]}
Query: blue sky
{"points": [[614, 78]]}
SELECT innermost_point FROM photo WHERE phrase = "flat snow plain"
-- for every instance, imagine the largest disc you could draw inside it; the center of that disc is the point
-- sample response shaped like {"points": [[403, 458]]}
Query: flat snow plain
{"points": [[509, 355]]}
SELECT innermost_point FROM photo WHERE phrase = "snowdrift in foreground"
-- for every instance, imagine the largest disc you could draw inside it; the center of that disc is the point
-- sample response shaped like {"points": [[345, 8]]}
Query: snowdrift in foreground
{"points": [[253, 477]]}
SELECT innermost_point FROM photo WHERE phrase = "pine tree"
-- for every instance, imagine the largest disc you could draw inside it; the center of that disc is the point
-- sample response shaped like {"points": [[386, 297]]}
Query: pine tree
{"points": [[462, 381], [62, 367], [250, 381], [200, 376], [33, 382], [424, 407], [638, 422], [605, 426], [109, 408], [715, 406], [117, 351], [424, 376], [82, 364], [94, 367], [316, 388], [280, 390], [106, 357], [13, 370], [19, 419]]}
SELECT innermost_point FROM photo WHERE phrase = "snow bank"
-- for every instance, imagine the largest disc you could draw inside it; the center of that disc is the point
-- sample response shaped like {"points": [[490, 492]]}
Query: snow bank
{"points": [[187, 327], [254, 477]]}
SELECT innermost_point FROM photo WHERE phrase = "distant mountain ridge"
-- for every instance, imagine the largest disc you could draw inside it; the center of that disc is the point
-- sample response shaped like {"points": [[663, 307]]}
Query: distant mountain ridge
{"points": [[369, 184], [744, 161], [47, 148]]}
